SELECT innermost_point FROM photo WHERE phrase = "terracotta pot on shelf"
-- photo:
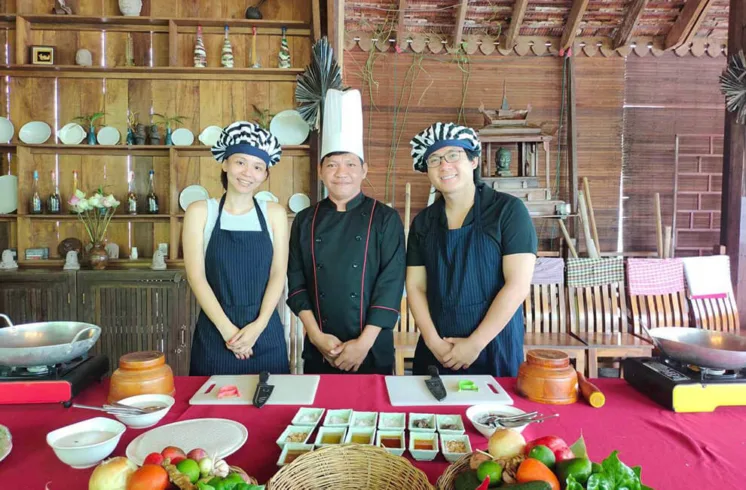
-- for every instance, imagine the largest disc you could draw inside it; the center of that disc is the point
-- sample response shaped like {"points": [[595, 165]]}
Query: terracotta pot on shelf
{"points": [[547, 377], [98, 256], [141, 373]]}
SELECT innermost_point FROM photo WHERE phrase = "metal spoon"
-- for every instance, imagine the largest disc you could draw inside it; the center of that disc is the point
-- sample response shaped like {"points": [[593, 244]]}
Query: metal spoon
{"points": [[110, 409], [509, 424], [152, 408]]}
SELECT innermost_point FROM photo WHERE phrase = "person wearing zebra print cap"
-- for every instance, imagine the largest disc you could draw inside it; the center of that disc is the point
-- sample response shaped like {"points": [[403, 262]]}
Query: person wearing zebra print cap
{"points": [[235, 253], [470, 259]]}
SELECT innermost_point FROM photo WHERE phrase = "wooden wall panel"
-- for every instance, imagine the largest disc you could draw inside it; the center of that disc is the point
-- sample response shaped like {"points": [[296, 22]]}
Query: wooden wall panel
{"points": [[29, 103], [7, 6], [664, 96]]}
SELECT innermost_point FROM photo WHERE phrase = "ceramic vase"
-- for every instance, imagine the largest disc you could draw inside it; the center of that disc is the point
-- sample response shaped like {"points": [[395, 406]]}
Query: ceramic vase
{"points": [[98, 256], [91, 135], [168, 137]]}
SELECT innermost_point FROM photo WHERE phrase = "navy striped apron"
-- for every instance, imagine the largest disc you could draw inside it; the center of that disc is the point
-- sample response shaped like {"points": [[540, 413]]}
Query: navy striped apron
{"points": [[237, 266], [464, 274]]}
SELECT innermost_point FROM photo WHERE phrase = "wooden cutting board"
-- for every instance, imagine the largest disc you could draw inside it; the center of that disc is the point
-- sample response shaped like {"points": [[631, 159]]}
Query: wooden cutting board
{"points": [[409, 391], [289, 390]]}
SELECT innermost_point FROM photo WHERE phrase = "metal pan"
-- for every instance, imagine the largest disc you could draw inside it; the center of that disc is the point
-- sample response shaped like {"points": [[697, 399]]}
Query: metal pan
{"points": [[703, 348], [45, 343]]}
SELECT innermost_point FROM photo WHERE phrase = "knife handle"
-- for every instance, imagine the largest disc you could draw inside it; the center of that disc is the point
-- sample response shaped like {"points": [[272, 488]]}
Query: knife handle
{"points": [[264, 376], [433, 371]]}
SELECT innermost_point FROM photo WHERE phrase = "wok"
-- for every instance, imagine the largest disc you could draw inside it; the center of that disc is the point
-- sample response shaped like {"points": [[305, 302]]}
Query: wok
{"points": [[703, 348], [45, 343]]}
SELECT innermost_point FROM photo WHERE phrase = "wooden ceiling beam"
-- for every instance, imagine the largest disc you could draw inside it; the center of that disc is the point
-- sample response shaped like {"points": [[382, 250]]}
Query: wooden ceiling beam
{"points": [[458, 32], [519, 10], [687, 24], [573, 23], [400, 33], [631, 18]]}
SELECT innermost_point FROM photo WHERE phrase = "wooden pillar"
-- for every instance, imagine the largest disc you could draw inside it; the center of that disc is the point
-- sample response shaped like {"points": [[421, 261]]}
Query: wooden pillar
{"points": [[733, 227], [335, 10]]}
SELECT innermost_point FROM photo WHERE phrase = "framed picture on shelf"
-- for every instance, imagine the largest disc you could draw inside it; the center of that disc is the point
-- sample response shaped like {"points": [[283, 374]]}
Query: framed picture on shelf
{"points": [[42, 55]]}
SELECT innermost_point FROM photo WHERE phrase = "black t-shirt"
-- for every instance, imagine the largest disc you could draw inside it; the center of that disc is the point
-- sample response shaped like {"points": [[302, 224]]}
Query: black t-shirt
{"points": [[504, 217]]}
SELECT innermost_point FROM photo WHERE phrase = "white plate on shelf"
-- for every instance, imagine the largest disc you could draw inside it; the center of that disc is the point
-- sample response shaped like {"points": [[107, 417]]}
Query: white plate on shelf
{"points": [[289, 128], [299, 202], [71, 134], [191, 194], [221, 437], [266, 196], [182, 137], [108, 135], [6, 442], [35, 132], [8, 194], [210, 135], [6, 130]]}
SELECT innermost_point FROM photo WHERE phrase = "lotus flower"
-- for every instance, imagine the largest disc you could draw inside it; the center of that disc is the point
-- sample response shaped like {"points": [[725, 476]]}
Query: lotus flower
{"points": [[110, 202], [96, 201]]}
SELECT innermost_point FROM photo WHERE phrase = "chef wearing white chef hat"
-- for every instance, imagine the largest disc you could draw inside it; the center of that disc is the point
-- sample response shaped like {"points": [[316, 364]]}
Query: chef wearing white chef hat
{"points": [[346, 264]]}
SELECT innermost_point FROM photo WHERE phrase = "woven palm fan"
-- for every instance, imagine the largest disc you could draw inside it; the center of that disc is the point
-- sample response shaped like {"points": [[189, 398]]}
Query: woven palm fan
{"points": [[321, 75], [733, 86]]}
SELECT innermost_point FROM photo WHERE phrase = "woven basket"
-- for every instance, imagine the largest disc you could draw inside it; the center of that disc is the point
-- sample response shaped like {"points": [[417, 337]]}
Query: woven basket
{"points": [[349, 467], [447, 480]]}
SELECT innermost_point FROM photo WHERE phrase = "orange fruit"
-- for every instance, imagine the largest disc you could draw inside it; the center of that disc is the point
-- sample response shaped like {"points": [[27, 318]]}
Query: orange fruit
{"points": [[149, 477]]}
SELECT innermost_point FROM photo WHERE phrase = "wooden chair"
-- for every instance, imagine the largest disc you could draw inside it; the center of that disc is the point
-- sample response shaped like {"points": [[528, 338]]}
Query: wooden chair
{"points": [[716, 314], [406, 336], [598, 317], [668, 310], [546, 323]]}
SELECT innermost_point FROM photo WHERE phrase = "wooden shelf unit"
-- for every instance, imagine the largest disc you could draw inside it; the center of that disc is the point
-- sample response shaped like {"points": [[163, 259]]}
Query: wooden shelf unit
{"points": [[163, 81]]}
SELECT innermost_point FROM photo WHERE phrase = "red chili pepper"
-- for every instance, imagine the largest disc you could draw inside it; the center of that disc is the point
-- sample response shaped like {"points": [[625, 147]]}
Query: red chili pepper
{"points": [[485, 484]]}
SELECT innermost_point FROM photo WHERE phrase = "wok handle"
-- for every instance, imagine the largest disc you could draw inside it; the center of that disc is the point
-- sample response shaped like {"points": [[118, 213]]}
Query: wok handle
{"points": [[7, 319], [77, 335]]}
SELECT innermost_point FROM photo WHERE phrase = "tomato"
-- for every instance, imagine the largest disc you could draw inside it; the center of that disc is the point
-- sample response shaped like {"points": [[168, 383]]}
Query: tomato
{"points": [[149, 477]]}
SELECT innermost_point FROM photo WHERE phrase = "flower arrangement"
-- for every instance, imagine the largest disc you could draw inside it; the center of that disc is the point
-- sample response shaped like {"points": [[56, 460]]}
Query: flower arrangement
{"points": [[95, 212]]}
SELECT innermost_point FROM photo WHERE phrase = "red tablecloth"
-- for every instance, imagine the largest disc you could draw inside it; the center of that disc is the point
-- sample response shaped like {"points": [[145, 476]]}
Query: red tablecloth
{"points": [[676, 451]]}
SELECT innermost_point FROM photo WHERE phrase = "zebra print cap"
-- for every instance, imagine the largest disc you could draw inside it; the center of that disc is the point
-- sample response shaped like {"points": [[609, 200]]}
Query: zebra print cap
{"points": [[438, 136], [247, 137]]}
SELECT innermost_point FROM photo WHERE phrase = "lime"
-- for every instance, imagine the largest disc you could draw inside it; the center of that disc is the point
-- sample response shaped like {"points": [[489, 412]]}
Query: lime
{"points": [[190, 468], [579, 468], [543, 454], [491, 469], [217, 483]]}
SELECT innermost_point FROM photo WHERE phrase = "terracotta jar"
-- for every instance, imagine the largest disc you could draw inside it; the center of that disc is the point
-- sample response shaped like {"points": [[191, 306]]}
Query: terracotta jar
{"points": [[548, 377], [141, 373]]}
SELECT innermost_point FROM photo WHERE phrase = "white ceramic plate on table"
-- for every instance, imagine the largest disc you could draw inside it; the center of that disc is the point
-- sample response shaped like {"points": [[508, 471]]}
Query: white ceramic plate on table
{"points": [[191, 194], [266, 196], [210, 135], [6, 442], [35, 132], [289, 128], [72, 134], [473, 413], [6, 130], [221, 437], [8, 194], [182, 137], [108, 135], [299, 202]]}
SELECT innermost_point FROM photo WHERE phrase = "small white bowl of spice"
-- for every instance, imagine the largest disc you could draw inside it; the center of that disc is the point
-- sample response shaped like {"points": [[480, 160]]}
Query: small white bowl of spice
{"points": [[293, 434], [338, 418], [364, 419], [454, 446], [308, 417], [421, 422], [450, 424]]}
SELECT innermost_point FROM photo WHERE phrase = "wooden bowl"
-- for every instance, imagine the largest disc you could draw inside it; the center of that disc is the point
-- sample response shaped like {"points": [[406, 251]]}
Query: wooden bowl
{"points": [[548, 377], [141, 373]]}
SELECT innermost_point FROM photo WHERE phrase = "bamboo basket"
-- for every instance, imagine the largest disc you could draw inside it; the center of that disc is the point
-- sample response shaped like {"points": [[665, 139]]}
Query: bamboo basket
{"points": [[349, 467], [447, 480]]}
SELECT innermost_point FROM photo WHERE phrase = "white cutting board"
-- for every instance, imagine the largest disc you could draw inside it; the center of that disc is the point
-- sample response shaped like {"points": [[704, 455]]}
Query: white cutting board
{"points": [[409, 391], [289, 390]]}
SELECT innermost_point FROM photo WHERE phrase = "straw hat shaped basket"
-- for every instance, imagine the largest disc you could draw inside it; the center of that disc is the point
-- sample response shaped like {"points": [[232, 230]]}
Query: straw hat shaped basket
{"points": [[349, 467], [447, 480]]}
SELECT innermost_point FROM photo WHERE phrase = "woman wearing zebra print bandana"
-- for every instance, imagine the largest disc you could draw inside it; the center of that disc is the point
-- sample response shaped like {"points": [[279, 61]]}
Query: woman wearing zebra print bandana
{"points": [[235, 253], [470, 259]]}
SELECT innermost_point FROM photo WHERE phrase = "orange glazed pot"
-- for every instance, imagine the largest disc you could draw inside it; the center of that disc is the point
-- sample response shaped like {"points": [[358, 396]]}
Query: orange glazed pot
{"points": [[548, 377], [141, 373]]}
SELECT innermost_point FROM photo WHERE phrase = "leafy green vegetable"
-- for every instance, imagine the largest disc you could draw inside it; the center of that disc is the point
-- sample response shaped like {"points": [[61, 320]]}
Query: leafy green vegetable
{"points": [[579, 449], [614, 474], [572, 484], [600, 481]]}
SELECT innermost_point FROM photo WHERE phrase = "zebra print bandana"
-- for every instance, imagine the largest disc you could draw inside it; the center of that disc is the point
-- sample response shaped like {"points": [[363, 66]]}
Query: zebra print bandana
{"points": [[440, 135], [246, 137]]}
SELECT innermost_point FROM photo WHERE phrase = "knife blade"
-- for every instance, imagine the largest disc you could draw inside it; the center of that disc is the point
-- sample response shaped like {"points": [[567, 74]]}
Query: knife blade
{"points": [[263, 390], [435, 384]]}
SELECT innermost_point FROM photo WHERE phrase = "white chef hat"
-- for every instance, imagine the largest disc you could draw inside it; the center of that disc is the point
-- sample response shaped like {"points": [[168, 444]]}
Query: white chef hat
{"points": [[440, 135], [247, 137], [343, 123]]}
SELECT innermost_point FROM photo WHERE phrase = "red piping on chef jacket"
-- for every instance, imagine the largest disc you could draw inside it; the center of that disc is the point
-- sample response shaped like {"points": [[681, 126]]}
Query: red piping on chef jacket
{"points": [[315, 280], [365, 262]]}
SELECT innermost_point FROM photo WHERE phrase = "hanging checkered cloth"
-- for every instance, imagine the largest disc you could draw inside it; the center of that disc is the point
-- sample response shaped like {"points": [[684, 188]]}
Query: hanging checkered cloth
{"points": [[549, 270], [594, 272], [653, 277], [708, 277]]}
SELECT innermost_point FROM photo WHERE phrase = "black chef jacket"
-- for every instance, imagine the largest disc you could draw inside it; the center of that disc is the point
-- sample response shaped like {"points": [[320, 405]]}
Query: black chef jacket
{"points": [[348, 268]]}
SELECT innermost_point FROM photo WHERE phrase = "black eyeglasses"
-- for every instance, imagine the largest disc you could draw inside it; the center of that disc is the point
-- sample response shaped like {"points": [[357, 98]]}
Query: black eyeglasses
{"points": [[450, 157]]}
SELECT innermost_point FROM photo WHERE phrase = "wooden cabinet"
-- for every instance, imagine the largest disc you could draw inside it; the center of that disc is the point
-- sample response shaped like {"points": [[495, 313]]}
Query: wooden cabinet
{"points": [[38, 295]]}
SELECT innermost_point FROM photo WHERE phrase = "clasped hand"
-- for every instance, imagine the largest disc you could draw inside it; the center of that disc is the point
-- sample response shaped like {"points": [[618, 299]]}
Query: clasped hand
{"points": [[242, 342]]}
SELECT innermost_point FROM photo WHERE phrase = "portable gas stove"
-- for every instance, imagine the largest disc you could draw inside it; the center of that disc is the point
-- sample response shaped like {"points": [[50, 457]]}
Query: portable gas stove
{"points": [[685, 388], [50, 384]]}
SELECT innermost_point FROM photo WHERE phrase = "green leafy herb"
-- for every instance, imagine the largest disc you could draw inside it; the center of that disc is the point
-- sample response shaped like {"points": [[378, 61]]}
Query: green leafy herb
{"points": [[572, 484], [614, 475], [579, 449]]}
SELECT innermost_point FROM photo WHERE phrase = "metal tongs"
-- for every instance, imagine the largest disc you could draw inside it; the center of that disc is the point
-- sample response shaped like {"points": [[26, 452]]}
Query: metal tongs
{"points": [[512, 421], [119, 409]]}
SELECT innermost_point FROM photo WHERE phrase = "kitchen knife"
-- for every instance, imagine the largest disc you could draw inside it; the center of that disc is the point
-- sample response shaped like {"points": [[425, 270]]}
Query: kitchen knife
{"points": [[263, 390], [435, 384]]}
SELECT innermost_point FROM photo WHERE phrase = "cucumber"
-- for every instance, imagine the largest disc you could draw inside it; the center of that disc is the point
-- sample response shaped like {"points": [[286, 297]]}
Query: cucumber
{"points": [[532, 485]]}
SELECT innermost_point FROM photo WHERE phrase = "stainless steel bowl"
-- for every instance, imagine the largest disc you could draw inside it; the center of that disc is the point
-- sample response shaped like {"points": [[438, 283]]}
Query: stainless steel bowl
{"points": [[45, 343]]}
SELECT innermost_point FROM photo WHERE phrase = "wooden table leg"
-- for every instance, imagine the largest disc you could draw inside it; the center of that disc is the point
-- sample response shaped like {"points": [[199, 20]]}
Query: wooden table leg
{"points": [[580, 361], [592, 363], [399, 362]]}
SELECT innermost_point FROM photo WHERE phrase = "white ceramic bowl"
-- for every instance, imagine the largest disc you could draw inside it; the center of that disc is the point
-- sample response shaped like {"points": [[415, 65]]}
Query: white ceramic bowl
{"points": [[414, 418], [474, 412], [396, 451], [291, 429], [423, 454], [338, 418], [308, 417], [86, 443], [453, 457], [6, 130], [182, 137], [210, 135], [289, 127], [293, 446], [35, 132], [148, 419], [392, 421], [448, 420], [71, 134]]}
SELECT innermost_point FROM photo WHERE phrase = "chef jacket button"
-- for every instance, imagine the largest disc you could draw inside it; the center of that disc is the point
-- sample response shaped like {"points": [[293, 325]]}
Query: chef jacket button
{"points": [[319, 266], [364, 214], [318, 240], [324, 321], [353, 295], [321, 295], [354, 266], [358, 238]]}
